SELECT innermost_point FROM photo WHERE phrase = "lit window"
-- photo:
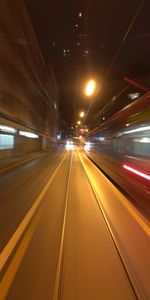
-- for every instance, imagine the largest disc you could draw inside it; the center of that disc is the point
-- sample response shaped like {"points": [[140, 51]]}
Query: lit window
{"points": [[134, 96], [6, 141], [64, 52], [53, 44], [59, 136], [86, 51], [29, 134], [55, 105], [7, 129]]}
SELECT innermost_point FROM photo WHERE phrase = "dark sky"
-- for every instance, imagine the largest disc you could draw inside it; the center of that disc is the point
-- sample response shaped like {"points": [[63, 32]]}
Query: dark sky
{"points": [[84, 51]]}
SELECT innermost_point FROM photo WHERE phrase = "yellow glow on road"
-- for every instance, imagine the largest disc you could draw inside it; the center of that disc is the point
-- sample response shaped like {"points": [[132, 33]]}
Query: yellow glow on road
{"points": [[90, 88], [6, 252], [89, 169], [18, 257]]}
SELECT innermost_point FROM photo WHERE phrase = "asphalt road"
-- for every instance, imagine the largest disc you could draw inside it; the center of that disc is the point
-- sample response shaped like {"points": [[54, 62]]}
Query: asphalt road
{"points": [[55, 242]]}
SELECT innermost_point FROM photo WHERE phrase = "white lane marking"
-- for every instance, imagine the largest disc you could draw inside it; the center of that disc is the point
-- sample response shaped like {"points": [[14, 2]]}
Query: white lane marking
{"points": [[95, 190], [13, 267], [58, 271], [6, 252]]}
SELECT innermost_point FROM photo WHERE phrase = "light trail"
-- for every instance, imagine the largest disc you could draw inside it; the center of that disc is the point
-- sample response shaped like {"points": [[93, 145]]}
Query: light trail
{"points": [[136, 172]]}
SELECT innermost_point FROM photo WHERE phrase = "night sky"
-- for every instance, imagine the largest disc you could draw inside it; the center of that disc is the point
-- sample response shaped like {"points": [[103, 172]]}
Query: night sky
{"points": [[80, 48]]}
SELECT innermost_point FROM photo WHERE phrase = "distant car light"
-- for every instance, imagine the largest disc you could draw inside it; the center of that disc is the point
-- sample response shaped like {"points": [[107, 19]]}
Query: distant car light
{"points": [[100, 138], [69, 145], [87, 146]]}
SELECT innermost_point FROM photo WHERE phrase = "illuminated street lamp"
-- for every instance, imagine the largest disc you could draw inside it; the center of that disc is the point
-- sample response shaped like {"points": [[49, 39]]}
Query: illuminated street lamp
{"points": [[90, 88], [82, 114], [79, 122]]}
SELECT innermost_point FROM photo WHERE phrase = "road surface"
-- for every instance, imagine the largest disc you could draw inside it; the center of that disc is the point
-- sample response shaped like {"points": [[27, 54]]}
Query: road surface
{"points": [[57, 242]]}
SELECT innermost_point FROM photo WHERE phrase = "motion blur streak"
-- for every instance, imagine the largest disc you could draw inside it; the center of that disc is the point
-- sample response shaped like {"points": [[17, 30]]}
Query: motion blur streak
{"points": [[13, 268], [90, 170], [138, 85], [138, 129], [5, 254], [136, 172]]}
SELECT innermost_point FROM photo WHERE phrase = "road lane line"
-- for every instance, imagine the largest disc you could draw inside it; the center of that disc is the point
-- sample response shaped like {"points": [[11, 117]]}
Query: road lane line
{"points": [[6, 252], [58, 271], [95, 190], [9, 276]]}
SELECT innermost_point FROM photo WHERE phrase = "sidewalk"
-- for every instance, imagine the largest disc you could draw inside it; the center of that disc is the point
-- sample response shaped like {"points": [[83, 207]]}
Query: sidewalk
{"points": [[7, 164]]}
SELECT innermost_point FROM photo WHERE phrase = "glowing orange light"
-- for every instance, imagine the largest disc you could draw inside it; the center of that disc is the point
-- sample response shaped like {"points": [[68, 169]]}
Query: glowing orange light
{"points": [[90, 88], [82, 114]]}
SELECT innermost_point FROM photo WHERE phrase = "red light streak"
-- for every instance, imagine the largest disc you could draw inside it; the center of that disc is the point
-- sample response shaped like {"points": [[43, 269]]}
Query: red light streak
{"points": [[136, 172], [138, 85]]}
